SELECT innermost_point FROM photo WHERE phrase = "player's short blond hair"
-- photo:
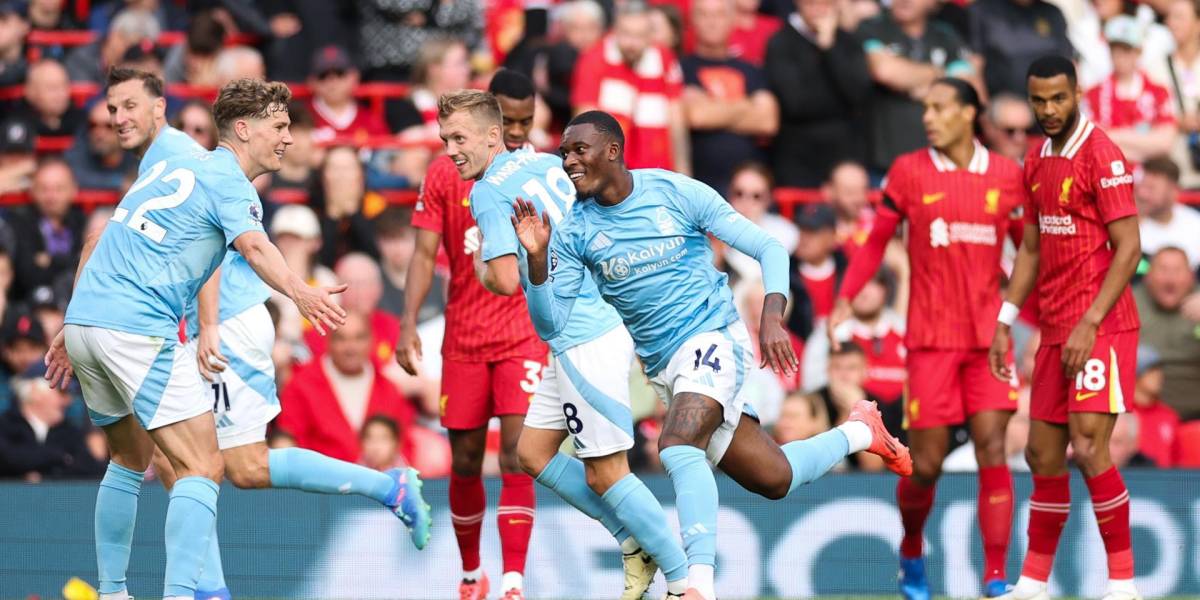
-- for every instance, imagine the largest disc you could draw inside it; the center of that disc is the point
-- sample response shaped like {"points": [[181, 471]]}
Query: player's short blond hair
{"points": [[482, 105], [248, 99]]}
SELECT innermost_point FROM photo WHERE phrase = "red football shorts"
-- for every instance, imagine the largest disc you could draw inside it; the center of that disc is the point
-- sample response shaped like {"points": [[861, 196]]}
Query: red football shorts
{"points": [[1106, 381], [947, 386], [473, 392]]}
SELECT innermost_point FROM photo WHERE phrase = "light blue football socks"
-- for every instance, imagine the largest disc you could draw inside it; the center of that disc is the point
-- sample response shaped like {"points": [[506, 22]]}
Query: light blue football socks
{"points": [[116, 513], [299, 469], [191, 517], [565, 476], [814, 457], [641, 513]]}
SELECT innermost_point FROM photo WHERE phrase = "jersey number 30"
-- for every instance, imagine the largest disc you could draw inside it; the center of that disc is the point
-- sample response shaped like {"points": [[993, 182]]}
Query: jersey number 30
{"points": [[137, 220]]}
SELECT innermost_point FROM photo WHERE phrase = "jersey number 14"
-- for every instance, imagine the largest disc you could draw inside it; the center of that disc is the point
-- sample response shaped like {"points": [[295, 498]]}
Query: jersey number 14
{"points": [[137, 220]]}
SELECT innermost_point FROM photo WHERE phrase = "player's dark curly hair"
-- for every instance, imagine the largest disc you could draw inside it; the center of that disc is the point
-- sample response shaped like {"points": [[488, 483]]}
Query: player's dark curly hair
{"points": [[1053, 65], [511, 84], [248, 99], [604, 123]]}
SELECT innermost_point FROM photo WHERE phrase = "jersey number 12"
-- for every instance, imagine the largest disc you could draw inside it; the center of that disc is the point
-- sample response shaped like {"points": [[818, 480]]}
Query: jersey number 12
{"points": [[137, 220]]}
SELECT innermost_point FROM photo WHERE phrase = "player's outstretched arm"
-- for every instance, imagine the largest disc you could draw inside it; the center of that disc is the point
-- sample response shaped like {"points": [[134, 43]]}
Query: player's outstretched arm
{"points": [[416, 288], [1127, 252], [315, 303], [550, 302], [1020, 284], [861, 269], [208, 343]]}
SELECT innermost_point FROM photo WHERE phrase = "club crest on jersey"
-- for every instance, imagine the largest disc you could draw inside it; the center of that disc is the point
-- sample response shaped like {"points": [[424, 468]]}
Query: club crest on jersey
{"points": [[666, 225], [991, 201], [1064, 194]]}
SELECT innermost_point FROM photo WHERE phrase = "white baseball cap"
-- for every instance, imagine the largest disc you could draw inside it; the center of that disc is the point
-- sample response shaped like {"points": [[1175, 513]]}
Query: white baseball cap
{"points": [[1124, 29], [296, 219]]}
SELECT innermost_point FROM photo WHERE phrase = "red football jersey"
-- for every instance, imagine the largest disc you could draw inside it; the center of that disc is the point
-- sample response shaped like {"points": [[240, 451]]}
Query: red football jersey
{"points": [[883, 344], [358, 124], [480, 326], [1144, 104], [957, 220], [1073, 196], [750, 44], [639, 97]]}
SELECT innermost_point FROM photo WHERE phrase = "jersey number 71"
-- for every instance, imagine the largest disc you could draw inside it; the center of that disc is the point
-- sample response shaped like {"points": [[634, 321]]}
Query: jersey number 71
{"points": [[137, 220]]}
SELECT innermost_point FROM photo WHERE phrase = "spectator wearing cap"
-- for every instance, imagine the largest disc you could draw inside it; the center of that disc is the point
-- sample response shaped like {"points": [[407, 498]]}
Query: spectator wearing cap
{"points": [[1010, 34], [818, 72], [640, 84], [16, 154], [397, 244], [129, 28], [336, 114], [1133, 110], [726, 100], [346, 206], [1006, 124], [47, 103], [751, 194], [96, 158], [907, 51], [49, 230], [13, 29], [194, 61], [392, 35], [1162, 220], [37, 442], [1167, 301], [23, 341], [817, 267], [1087, 23], [296, 231], [1159, 424]]}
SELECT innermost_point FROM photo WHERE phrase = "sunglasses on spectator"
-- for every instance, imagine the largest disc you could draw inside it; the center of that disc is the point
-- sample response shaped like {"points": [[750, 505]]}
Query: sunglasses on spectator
{"points": [[99, 125], [196, 128], [339, 73], [1012, 131], [757, 196]]}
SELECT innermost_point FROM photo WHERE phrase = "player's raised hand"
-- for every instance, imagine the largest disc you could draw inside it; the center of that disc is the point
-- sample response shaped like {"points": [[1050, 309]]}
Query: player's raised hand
{"points": [[316, 304], [773, 339], [840, 314], [208, 353], [408, 349], [1078, 348], [58, 365], [1001, 369], [533, 230]]}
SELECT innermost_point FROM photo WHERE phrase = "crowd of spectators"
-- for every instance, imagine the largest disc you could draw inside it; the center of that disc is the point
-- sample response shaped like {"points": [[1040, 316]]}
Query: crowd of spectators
{"points": [[750, 96]]}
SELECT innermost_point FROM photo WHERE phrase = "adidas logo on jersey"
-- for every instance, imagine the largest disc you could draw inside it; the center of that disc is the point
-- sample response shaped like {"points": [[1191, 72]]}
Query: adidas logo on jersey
{"points": [[224, 422], [600, 242]]}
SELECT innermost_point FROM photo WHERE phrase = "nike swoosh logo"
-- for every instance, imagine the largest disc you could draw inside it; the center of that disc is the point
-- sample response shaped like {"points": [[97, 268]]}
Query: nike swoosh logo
{"points": [[931, 198], [1080, 396], [1035, 187], [519, 521]]}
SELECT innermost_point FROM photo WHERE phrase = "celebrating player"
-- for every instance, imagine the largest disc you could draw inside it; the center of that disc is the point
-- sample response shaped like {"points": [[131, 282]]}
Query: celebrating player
{"points": [[492, 358], [957, 198], [167, 236], [585, 389], [233, 345], [642, 236], [1081, 245]]}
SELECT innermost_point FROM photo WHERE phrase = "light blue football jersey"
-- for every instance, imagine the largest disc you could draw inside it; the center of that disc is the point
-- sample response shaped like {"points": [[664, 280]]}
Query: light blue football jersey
{"points": [[650, 258], [165, 239], [168, 143], [539, 178]]}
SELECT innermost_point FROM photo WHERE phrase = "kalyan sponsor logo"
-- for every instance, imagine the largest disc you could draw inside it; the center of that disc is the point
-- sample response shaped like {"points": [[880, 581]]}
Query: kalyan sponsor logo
{"points": [[642, 260]]}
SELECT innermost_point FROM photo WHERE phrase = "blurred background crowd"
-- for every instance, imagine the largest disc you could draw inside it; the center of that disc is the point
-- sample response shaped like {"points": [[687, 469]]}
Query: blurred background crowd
{"points": [[792, 110]]}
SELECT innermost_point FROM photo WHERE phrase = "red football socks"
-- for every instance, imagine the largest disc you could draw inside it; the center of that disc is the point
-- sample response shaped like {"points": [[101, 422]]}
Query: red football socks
{"points": [[915, 502], [468, 501], [995, 511], [1110, 501], [515, 519], [1049, 507]]}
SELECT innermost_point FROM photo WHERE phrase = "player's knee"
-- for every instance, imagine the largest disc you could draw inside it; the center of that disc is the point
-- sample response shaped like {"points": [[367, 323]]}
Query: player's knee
{"points": [[775, 487], [531, 459], [1043, 461], [248, 476], [1091, 457], [466, 465], [927, 467], [990, 452], [510, 461]]}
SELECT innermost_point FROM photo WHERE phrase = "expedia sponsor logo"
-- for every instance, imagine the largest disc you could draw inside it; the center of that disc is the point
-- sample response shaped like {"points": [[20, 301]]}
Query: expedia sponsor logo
{"points": [[1112, 182], [1056, 225], [643, 260]]}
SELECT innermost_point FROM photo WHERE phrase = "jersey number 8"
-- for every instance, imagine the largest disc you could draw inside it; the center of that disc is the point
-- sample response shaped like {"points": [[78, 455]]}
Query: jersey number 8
{"points": [[137, 220]]}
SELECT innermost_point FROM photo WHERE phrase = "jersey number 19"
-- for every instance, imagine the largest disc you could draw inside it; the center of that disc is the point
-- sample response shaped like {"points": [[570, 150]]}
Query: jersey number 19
{"points": [[563, 190]]}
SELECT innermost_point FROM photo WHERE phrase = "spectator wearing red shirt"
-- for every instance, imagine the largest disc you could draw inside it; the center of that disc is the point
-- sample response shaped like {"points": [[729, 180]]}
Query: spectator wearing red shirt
{"points": [[1158, 422], [751, 31], [327, 402], [879, 331], [336, 113], [386, 446], [817, 268], [640, 84], [1135, 112]]}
